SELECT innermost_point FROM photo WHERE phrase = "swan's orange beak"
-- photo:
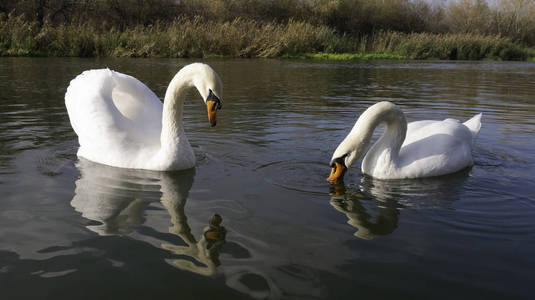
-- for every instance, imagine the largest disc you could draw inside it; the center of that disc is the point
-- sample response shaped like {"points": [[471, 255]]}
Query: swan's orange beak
{"points": [[211, 107], [337, 173]]}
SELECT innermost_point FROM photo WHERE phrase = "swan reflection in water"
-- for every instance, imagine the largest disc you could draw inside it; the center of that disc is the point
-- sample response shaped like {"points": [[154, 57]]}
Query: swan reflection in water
{"points": [[118, 198], [351, 204], [374, 207], [205, 251]]}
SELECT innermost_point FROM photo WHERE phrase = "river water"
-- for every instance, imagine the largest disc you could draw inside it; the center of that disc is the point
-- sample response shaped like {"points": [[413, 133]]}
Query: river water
{"points": [[73, 229]]}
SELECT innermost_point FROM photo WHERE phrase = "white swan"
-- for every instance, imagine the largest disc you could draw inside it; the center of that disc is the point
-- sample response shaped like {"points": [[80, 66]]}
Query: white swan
{"points": [[414, 150], [120, 122]]}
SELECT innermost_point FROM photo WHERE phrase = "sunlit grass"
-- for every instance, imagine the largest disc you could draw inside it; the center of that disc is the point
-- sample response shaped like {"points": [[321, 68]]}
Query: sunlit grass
{"points": [[345, 56], [531, 55], [447, 46], [197, 38]]}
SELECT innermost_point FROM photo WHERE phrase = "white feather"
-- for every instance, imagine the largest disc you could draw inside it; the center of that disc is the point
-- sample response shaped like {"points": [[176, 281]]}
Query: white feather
{"points": [[120, 122], [417, 149]]}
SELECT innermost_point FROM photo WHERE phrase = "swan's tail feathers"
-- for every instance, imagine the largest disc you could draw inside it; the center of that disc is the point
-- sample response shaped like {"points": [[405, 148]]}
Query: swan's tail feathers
{"points": [[474, 124]]}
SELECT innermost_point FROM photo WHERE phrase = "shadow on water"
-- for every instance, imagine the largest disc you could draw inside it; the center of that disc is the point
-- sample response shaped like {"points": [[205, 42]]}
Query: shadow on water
{"points": [[374, 207], [117, 199]]}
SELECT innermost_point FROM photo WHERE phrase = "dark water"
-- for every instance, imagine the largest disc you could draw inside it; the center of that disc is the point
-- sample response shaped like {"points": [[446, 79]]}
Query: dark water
{"points": [[72, 229]]}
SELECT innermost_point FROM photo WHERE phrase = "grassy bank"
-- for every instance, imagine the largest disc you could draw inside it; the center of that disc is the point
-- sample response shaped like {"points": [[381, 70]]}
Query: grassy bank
{"points": [[448, 46], [185, 37], [345, 56]]}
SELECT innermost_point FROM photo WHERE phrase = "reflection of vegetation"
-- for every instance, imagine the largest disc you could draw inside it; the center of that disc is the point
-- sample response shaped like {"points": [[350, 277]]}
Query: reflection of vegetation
{"points": [[463, 29]]}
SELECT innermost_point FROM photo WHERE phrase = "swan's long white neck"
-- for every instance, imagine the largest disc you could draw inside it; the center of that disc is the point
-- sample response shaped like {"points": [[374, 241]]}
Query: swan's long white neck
{"points": [[386, 150], [173, 105]]}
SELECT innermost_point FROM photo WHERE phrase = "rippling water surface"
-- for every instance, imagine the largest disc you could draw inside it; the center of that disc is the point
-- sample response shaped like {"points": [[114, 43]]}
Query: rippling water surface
{"points": [[73, 229]]}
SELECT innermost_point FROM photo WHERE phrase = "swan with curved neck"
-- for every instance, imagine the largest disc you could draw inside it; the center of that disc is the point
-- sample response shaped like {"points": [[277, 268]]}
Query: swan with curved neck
{"points": [[414, 150], [120, 122]]}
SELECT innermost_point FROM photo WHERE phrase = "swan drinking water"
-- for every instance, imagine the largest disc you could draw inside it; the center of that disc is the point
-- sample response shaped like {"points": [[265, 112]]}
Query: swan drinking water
{"points": [[120, 122], [417, 149]]}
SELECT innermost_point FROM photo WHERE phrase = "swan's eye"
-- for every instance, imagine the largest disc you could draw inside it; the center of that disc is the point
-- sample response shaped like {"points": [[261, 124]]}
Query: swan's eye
{"points": [[213, 97], [340, 160]]}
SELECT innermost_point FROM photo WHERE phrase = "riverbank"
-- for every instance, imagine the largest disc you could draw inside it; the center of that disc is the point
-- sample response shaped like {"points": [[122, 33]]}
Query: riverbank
{"points": [[196, 38]]}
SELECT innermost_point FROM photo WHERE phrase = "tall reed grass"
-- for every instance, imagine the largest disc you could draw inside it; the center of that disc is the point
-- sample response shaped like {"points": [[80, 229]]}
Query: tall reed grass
{"points": [[194, 37], [182, 38], [462, 46]]}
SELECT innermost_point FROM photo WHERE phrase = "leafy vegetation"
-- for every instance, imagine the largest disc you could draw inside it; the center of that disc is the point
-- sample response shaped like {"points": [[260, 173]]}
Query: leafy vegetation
{"points": [[319, 29]]}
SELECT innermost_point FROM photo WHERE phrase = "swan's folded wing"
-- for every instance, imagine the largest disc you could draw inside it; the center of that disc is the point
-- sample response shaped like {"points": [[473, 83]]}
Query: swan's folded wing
{"points": [[435, 148], [107, 107], [136, 101], [93, 116]]}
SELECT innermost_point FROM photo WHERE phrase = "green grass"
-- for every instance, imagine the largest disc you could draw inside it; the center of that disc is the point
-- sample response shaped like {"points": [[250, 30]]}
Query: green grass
{"points": [[196, 38], [446, 46], [345, 56], [531, 55]]}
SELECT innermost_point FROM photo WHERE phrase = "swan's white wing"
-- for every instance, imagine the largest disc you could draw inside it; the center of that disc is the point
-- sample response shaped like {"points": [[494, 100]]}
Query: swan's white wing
{"points": [[112, 113], [434, 148], [137, 102], [91, 110]]}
